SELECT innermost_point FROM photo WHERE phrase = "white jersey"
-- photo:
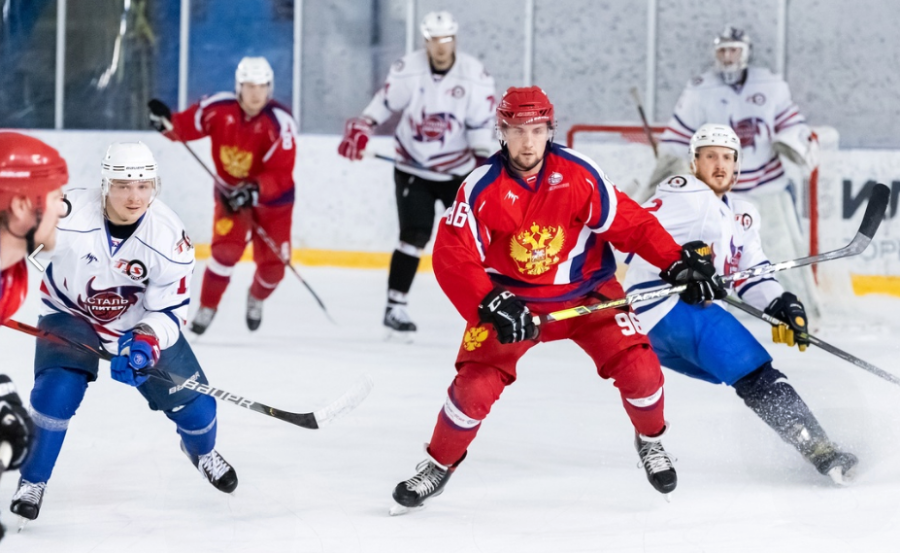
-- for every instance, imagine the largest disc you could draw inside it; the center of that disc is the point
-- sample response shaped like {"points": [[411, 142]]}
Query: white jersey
{"points": [[759, 111], [689, 210], [116, 285], [445, 117]]}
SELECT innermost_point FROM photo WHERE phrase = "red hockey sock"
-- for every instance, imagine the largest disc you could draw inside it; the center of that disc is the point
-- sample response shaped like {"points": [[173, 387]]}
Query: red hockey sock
{"points": [[214, 286]]}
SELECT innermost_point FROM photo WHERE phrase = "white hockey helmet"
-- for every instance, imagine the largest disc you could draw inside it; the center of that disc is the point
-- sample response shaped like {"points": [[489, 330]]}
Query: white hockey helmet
{"points": [[732, 69], [254, 70], [439, 24], [128, 161], [712, 134]]}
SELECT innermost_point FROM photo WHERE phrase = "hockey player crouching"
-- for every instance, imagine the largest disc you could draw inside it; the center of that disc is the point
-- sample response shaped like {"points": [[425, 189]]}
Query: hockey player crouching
{"points": [[707, 342], [118, 279], [530, 231]]}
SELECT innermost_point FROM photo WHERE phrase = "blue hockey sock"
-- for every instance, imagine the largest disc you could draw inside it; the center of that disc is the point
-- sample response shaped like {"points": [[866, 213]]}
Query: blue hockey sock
{"points": [[196, 424], [56, 396]]}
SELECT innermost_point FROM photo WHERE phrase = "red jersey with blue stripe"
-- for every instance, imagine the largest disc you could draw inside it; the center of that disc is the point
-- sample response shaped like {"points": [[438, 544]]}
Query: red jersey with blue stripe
{"points": [[546, 238], [13, 289], [260, 148]]}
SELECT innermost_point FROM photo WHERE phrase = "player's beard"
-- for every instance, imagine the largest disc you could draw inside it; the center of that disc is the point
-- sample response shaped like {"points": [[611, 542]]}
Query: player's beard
{"points": [[519, 167]]}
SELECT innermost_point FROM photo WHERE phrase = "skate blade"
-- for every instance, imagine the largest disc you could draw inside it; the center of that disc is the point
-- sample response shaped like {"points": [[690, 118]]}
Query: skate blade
{"points": [[668, 497], [839, 477], [398, 509], [22, 522]]}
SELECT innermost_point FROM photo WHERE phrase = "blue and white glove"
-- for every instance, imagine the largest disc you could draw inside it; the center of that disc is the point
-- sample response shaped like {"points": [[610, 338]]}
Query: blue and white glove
{"points": [[137, 351]]}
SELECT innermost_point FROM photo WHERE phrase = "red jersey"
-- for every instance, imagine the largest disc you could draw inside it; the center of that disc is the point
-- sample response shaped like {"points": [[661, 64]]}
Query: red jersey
{"points": [[546, 238], [13, 289], [261, 148]]}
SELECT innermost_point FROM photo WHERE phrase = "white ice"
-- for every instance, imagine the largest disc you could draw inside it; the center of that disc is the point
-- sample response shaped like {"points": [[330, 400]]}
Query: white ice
{"points": [[553, 468]]}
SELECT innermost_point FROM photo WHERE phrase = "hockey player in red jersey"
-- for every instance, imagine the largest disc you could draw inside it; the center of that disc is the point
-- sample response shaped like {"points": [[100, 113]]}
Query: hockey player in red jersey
{"points": [[31, 202], [253, 146], [530, 233]]}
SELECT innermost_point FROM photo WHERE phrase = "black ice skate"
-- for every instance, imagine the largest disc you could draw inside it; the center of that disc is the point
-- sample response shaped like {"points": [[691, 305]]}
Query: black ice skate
{"points": [[216, 469], [254, 312], [656, 462], [832, 462], [428, 482], [27, 500], [397, 320], [202, 320]]}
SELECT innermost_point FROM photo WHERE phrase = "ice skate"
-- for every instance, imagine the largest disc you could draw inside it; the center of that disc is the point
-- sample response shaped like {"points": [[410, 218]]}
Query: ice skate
{"points": [[254, 312], [26, 502], [399, 325], [428, 482], [656, 462], [215, 469], [202, 320], [834, 463]]}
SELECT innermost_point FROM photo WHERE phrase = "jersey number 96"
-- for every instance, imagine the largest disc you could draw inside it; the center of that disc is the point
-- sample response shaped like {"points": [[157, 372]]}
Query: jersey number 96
{"points": [[458, 214]]}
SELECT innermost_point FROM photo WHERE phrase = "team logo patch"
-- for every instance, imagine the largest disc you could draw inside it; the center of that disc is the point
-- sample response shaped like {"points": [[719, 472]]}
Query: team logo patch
{"points": [[433, 128], [677, 182], [224, 226], [184, 244], [474, 337], [133, 269], [759, 99], [398, 66], [109, 304], [537, 249], [746, 220], [90, 258], [235, 161], [747, 130], [554, 178], [697, 81], [457, 92]]}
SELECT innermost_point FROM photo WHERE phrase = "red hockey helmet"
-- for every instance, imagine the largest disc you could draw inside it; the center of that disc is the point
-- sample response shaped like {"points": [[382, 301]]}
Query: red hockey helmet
{"points": [[28, 167], [524, 106]]}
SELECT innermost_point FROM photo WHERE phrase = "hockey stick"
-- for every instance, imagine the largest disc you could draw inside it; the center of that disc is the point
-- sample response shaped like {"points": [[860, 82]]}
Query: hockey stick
{"points": [[747, 308], [222, 187], [640, 106], [367, 153], [872, 218], [314, 420]]}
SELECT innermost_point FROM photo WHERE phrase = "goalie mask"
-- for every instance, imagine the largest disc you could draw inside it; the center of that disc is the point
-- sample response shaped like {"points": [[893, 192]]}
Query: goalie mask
{"points": [[732, 52]]}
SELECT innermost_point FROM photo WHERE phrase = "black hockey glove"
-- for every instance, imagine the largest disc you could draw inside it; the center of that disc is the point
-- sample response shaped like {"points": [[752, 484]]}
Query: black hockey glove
{"points": [[245, 194], [696, 270], [510, 317], [15, 424], [791, 312], [159, 114]]}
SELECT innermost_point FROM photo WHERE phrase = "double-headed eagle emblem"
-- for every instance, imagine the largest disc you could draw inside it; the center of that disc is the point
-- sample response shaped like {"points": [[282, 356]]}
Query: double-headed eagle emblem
{"points": [[235, 161], [537, 249]]}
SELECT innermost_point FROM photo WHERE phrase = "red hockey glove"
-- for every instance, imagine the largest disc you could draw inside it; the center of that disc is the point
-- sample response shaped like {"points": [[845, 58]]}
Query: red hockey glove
{"points": [[356, 138]]}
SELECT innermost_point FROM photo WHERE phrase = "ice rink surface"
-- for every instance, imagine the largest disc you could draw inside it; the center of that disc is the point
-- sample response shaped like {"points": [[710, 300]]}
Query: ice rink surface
{"points": [[552, 470]]}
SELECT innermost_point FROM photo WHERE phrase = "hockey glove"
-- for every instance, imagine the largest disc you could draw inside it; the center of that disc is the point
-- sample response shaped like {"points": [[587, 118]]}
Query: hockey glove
{"points": [[15, 424], [245, 194], [137, 351], [696, 270], [356, 137], [510, 317], [788, 309], [160, 114]]}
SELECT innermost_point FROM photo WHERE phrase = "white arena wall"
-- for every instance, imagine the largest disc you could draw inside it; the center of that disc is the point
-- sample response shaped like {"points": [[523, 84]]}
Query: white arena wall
{"points": [[345, 213]]}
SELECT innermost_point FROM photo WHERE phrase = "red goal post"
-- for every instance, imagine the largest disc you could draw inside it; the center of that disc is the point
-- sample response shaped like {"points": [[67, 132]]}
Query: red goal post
{"points": [[624, 153]]}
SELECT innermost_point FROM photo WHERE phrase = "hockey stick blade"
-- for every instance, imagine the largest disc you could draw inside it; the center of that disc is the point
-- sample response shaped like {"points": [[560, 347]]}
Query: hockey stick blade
{"points": [[346, 403], [893, 379], [874, 214]]}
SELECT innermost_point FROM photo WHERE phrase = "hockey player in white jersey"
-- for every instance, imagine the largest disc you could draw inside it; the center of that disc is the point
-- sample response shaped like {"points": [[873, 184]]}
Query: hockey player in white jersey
{"points": [[757, 104], [707, 342], [118, 279], [447, 100]]}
